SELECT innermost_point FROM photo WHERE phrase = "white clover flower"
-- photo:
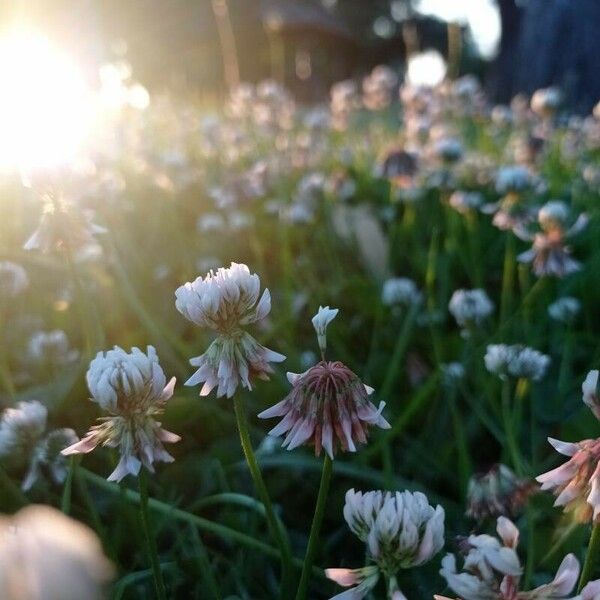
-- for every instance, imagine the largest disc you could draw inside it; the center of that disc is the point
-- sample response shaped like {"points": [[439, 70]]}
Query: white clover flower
{"points": [[528, 363], [492, 570], [400, 290], [51, 348], [401, 530], [225, 302], [210, 222], [452, 373], [320, 322], [470, 307], [132, 389], [20, 430], [553, 214], [13, 279], [45, 555], [516, 361], [564, 309]]}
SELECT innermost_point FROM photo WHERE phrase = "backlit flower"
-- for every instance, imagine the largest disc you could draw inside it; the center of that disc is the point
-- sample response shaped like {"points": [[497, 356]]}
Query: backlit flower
{"points": [[131, 388], [401, 530], [328, 407], [225, 302]]}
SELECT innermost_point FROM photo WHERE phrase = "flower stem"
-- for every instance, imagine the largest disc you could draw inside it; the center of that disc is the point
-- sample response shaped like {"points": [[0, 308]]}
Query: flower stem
{"points": [[508, 276], [277, 531], [591, 557], [159, 584], [509, 429], [313, 538]]}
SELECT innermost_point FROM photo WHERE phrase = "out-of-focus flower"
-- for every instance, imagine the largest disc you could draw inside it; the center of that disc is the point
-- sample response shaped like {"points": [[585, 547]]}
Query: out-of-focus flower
{"points": [[452, 373], [549, 254], [400, 167], [565, 309], [45, 555], [492, 570], [63, 225], [21, 428], [498, 492], [47, 457], [470, 307], [210, 222], [51, 348], [401, 530], [516, 361], [132, 389], [402, 291], [225, 302], [13, 279], [378, 88], [448, 149], [591, 591], [545, 102], [326, 402], [320, 322]]}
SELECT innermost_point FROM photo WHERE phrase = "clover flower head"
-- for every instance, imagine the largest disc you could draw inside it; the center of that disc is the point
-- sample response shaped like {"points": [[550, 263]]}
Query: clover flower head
{"points": [[46, 555], [448, 149], [513, 179], [497, 492], [492, 569], [470, 307], [565, 309], [131, 388], [553, 214], [516, 361], [328, 406], [225, 301], [401, 530], [401, 291], [21, 428], [51, 348]]}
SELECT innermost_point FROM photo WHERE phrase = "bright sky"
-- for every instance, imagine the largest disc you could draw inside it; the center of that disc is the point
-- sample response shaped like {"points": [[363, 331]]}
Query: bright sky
{"points": [[481, 15]]}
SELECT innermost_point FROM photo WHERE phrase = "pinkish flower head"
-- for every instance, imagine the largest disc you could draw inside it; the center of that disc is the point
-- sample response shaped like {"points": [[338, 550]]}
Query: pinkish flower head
{"points": [[131, 388], [576, 483], [226, 301], [364, 579], [326, 403]]}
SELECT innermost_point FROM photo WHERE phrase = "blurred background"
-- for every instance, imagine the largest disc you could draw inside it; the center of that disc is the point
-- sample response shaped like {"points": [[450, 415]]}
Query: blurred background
{"points": [[202, 47]]}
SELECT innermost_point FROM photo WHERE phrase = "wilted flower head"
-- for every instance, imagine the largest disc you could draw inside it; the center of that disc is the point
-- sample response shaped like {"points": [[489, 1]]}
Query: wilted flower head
{"points": [[326, 402], [565, 309], [132, 389], [45, 555], [470, 307], [401, 530], [498, 492], [516, 361], [13, 279], [63, 225], [225, 301], [320, 322], [492, 570], [400, 290]]}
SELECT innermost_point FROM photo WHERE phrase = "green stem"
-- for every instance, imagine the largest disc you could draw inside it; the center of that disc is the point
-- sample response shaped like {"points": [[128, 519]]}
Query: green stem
{"points": [[65, 503], [159, 584], [221, 531], [509, 429], [464, 460], [313, 538], [591, 557], [508, 276], [277, 532]]}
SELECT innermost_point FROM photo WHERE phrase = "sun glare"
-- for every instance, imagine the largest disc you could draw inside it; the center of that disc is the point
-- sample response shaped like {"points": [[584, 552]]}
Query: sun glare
{"points": [[45, 104]]}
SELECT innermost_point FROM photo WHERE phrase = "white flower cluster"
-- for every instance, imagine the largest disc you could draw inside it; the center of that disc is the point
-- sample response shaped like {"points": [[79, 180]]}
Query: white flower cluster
{"points": [[225, 301], [470, 307], [564, 309], [516, 361], [51, 348]]}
